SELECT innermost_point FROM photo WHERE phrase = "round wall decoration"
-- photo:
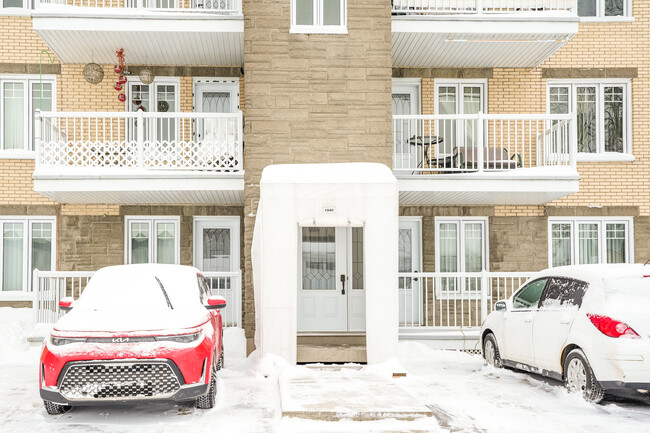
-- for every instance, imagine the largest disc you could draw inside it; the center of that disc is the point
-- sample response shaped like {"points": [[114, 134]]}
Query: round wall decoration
{"points": [[146, 76], [163, 106], [93, 73]]}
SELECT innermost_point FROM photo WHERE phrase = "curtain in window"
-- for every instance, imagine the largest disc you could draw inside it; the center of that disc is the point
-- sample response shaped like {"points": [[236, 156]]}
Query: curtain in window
{"points": [[216, 250], [405, 256], [587, 243], [41, 246], [561, 244], [448, 253], [38, 103], [166, 102], [139, 243], [304, 12], [318, 258], [446, 128], [473, 254], [12, 256], [587, 8], [140, 100], [613, 119], [13, 117], [331, 12], [165, 243], [616, 248], [586, 114], [471, 105], [614, 8]]}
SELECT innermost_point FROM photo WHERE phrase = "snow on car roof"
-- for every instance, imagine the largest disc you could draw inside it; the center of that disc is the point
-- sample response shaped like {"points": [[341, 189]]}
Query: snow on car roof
{"points": [[597, 273]]}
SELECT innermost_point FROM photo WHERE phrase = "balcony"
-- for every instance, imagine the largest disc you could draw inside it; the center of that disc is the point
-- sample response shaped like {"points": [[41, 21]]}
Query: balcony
{"points": [[480, 33], [131, 158], [155, 32], [484, 159]]}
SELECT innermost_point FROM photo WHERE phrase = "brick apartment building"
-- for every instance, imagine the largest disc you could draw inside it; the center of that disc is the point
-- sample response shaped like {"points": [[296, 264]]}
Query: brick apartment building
{"points": [[552, 93]]}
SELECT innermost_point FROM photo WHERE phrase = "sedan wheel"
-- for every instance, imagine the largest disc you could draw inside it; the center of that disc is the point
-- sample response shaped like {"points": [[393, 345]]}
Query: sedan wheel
{"points": [[579, 377], [491, 351]]}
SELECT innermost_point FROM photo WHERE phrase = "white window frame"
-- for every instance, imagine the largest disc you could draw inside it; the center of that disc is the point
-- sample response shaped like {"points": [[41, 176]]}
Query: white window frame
{"points": [[601, 17], [600, 84], [152, 221], [27, 222], [27, 80], [460, 247], [602, 236], [318, 27], [227, 222], [459, 83]]}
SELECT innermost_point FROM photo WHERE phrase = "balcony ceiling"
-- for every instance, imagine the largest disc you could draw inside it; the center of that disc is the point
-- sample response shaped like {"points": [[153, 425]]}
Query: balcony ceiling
{"points": [[154, 38], [518, 187], [484, 41]]}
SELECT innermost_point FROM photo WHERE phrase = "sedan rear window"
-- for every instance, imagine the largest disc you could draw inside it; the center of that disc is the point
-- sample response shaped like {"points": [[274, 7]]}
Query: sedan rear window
{"points": [[564, 293]]}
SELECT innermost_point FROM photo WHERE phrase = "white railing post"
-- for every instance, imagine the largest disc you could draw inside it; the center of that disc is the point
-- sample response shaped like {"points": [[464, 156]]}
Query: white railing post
{"points": [[240, 141], [140, 136], [35, 294], [573, 140], [479, 6], [484, 295], [238, 297], [480, 145]]}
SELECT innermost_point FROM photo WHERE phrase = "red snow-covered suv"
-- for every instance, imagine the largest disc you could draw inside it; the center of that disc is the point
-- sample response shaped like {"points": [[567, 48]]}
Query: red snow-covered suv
{"points": [[137, 333]]}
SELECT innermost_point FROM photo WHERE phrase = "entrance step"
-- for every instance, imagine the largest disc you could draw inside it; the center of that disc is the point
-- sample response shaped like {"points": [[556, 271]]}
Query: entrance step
{"points": [[353, 394], [331, 353]]}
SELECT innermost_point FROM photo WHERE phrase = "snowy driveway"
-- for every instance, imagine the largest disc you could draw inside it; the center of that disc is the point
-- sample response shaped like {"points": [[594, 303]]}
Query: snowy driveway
{"points": [[464, 395]]}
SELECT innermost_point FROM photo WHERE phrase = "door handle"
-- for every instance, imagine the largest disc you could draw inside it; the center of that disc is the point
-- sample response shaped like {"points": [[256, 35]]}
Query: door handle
{"points": [[415, 279], [565, 321], [342, 284]]}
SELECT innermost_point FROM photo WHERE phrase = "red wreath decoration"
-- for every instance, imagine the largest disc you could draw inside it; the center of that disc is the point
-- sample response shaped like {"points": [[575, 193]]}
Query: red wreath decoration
{"points": [[119, 68]]}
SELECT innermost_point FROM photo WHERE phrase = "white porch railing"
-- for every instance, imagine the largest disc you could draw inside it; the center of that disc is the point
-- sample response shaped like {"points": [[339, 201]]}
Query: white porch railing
{"points": [[222, 7], [452, 300], [427, 144], [49, 287], [170, 141], [450, 7]]}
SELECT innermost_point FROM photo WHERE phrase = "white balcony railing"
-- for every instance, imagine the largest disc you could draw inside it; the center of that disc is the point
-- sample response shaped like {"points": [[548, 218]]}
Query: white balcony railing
{"points": [[429, 144], [222, 7], [168, 141], [474, 7], [453, 300], [51, 286]]}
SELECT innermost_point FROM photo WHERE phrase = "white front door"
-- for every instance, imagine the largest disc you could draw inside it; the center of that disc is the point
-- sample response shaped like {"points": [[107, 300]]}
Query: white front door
{"points": [[458, 98], [214, 96], [410, 261], [405, 102], [331, 289]]}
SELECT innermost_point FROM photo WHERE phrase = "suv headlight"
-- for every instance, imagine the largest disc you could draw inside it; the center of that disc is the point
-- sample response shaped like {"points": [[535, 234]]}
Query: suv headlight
{"points": [[60, 341], [185, 338]]}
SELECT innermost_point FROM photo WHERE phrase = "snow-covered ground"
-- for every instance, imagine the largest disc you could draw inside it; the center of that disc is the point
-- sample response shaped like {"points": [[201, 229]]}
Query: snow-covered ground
{"points": [[465, 395]]}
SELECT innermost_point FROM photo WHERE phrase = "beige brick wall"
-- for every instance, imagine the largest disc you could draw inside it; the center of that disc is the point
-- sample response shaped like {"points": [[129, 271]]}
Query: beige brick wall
{"points": [[17, 187], [19, 43]]}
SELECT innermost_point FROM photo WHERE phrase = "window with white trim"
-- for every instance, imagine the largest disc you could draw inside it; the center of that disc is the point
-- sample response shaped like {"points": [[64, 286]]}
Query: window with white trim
{"points": [[152, 240], [574, 241], [318, 16], [15, 4], [604, 8], [20, 97], [26, 243], [461, 246], [161, 96], [603, 114]]}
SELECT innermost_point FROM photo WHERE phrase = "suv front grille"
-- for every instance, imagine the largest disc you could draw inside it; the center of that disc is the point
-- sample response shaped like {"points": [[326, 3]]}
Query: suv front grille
{"points": [[119, 381]]}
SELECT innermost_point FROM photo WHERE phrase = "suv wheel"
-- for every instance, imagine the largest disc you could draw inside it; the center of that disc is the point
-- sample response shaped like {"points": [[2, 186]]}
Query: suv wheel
{"points": [[208, 400], [491, 351], [579, 377], [55, 408]]}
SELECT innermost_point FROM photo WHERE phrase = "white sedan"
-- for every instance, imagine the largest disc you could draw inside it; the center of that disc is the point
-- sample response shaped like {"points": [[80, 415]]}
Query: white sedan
{"points": [[588, 325]]}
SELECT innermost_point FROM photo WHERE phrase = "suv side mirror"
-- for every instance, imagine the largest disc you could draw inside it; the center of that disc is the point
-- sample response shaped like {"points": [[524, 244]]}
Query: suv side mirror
{"points": [[65, 304], [500, 306], [216, 302]]}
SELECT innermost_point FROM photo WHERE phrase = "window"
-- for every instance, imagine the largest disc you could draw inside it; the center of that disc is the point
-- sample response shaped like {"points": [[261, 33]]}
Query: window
{"points": [[15, 4], [604, 9], [152, 240], [563, 293], [461, 246], [587, 241], [161, 96], [603, 115], [318, 16], [19, 100], [528, 297], [26, 243]]}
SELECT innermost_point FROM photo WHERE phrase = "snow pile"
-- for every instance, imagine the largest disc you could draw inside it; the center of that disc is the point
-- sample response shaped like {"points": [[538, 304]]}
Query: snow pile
{"points": [[15, 325]]}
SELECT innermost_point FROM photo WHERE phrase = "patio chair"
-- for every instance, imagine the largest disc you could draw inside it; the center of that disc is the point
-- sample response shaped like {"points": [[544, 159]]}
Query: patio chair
{"points": [[494, 158]]}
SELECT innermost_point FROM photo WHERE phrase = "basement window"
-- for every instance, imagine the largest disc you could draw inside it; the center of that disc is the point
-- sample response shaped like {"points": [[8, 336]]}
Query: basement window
{"points": [[319, 16]]}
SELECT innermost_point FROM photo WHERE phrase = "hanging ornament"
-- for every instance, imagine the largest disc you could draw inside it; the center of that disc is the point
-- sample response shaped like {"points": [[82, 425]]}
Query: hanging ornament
{"points": [[117, 69], [121, 97], [122, 79], [93, 73], [146, 76], [118, 86]]}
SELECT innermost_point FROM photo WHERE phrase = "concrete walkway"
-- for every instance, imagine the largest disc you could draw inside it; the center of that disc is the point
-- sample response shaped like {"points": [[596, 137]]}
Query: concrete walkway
{"points": [[347, 393]]}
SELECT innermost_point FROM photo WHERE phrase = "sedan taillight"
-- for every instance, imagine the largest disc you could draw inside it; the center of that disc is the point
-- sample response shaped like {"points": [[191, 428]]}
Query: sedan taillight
{"points": [[612, 328]]}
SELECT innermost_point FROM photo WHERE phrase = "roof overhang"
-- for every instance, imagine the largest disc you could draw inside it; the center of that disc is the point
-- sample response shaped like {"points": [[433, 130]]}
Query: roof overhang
{"points": [[147, 38], [482, 41], [536, 187], [115, 187]]}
